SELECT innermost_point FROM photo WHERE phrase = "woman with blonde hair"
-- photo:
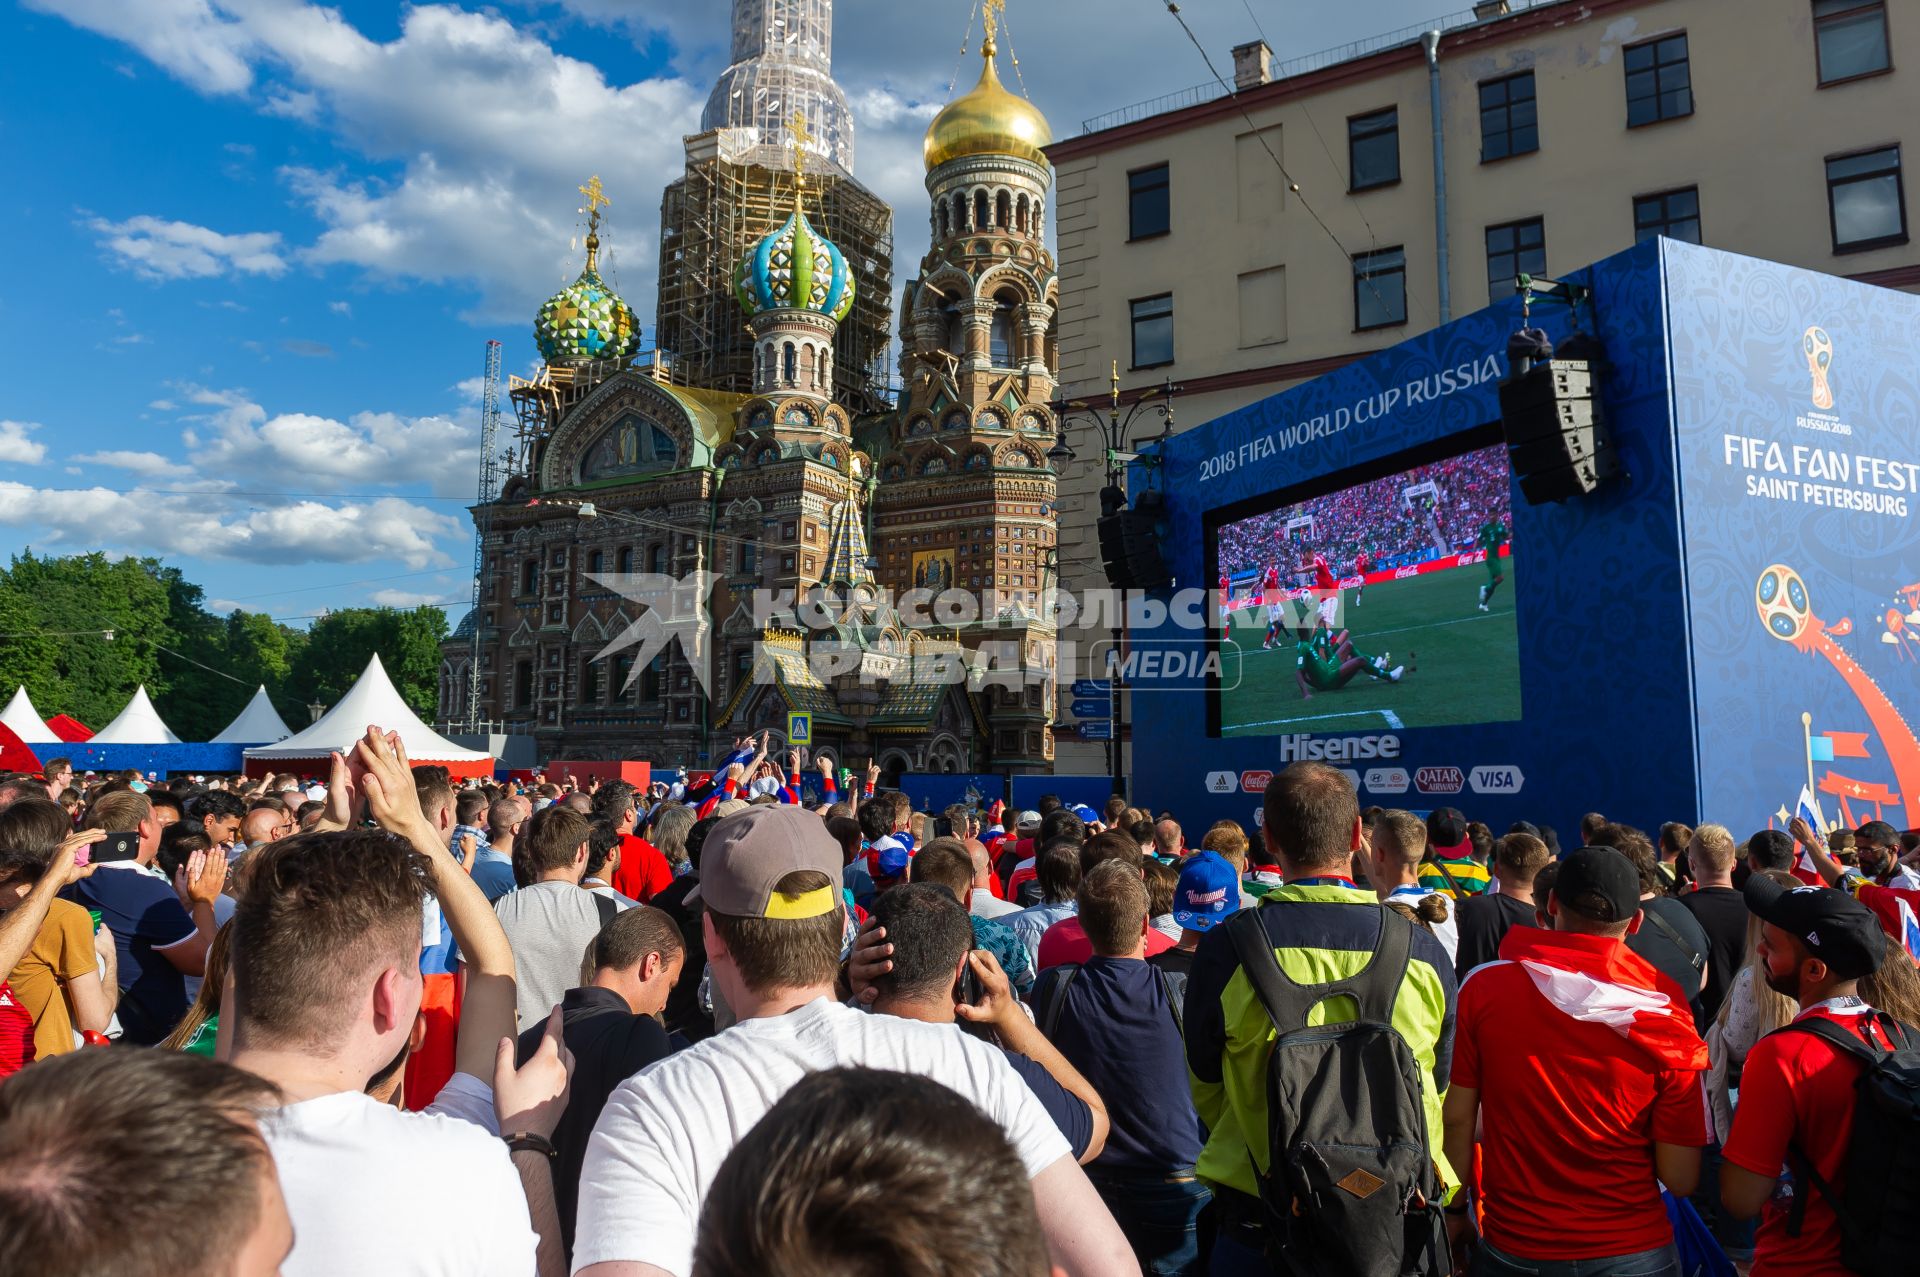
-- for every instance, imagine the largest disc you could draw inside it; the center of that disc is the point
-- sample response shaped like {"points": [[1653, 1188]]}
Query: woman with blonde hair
{"points": [[198, 1031]]}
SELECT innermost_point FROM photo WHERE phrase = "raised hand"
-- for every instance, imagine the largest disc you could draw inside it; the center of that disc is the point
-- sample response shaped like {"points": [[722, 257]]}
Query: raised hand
{"points": [[531, 1098]]}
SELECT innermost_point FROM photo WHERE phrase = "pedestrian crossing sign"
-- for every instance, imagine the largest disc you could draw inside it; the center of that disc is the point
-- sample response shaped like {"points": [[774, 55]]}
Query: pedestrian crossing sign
{"points": [[799, 728]]}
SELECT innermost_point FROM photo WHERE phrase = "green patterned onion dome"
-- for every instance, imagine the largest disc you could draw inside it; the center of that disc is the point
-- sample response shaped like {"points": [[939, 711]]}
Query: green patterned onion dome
{"points": [[586, 320], [795, 268]]}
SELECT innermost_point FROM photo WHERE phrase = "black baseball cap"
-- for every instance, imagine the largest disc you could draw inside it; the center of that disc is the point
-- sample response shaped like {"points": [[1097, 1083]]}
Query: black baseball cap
{"points": [[1604, 872], [1877, 833], [1836, 928], [1447, 833]]}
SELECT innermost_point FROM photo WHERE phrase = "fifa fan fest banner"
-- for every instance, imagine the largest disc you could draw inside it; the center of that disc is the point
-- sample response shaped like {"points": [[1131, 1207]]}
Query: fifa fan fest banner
{"points": [[1728, 632]]}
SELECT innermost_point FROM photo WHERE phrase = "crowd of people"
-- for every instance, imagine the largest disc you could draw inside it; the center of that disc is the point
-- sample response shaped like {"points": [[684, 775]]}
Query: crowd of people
{"points": [[1379, 519], [383, 1021]]}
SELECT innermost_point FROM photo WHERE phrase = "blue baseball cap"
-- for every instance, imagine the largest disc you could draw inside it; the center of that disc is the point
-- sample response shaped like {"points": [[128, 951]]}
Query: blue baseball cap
{"points": [[1086, 813], [1208, 893], [893, 861]]}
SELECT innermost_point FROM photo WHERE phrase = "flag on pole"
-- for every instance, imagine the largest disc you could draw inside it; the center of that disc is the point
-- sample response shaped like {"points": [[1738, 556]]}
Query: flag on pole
{"points": [[1820, 748]]}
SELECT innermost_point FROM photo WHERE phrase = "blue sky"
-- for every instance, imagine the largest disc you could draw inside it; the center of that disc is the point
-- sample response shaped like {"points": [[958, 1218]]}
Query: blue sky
{"points": [[256, 246]]}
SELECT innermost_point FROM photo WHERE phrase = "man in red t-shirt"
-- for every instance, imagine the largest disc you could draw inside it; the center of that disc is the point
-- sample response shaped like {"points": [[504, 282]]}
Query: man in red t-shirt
{"points": [[643, 872], [1066, 940], [1797, 1088], [1591, 1070]]}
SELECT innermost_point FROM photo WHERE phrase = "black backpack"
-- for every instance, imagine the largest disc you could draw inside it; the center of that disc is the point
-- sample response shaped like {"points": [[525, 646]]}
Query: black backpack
{"points": [[1349, 1155], [1879, 1227]]}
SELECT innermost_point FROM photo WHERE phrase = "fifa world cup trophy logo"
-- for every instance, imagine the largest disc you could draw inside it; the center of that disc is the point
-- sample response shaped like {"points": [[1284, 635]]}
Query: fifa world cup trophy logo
{"points": [[1819, 348]]}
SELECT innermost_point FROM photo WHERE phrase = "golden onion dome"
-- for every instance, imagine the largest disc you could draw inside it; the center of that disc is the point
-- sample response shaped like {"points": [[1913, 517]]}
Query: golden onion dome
{"points": [[990, 120]]}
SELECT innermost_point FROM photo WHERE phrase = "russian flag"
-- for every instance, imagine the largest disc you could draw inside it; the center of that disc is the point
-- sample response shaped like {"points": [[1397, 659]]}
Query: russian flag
{"points": [[1808, 809], [1909, 934]]}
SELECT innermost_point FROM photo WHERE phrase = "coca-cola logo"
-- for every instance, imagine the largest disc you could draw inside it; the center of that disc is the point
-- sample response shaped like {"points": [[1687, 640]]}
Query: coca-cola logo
{"points": [[1255, 782]]}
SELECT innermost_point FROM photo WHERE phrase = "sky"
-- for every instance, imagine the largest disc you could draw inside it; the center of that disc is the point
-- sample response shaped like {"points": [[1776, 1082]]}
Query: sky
{"points": [[256, 247]]}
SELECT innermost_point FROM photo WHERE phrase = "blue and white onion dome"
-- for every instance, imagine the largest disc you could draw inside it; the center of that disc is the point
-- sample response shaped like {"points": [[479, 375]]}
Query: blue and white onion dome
{"points": [[586, 320], [795, 268]]}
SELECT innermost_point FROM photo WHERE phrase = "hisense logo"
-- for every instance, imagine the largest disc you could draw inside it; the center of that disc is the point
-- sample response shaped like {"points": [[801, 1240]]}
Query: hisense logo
{"points": [[1345, 749]]}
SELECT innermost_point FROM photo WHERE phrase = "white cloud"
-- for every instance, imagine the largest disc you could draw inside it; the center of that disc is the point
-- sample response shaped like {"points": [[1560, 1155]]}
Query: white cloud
{"points": [[288, 534], [188, 38], [341, 308], [16, 448], [149, 463], [370, 448], [408, 598], [160, 249]]}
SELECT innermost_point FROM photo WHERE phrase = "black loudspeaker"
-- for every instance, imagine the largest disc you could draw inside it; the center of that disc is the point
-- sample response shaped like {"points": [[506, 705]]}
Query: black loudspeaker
{"points": [[1556, 430], [1130, 541]]}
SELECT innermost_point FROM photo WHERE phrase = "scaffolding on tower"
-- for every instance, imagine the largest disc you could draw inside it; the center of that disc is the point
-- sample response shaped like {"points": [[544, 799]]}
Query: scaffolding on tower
{"points": [[736, 188], [482, 517]]}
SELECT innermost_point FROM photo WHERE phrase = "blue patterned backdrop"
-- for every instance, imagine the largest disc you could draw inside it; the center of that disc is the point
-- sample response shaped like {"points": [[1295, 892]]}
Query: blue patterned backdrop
{"points": [[1743, 334], [1597, 582]]}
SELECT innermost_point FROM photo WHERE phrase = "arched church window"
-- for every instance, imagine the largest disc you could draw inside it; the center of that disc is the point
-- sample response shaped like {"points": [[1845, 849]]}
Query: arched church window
{"points": [[790, 364], [1003, 208], [956, 327], [1003, 344], [1020, 215], [980, 210]]}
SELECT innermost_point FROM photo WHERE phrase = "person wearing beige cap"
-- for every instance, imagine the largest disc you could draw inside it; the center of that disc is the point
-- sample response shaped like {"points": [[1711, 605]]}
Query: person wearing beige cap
{"points": [[769, 883]]}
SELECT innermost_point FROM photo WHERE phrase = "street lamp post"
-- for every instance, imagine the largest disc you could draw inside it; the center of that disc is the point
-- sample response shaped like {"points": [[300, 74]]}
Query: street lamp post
{"points": [[1116, 430]]}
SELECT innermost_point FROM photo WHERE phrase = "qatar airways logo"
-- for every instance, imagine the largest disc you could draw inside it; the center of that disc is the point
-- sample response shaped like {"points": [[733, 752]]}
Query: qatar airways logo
{"points": [[1344, 749]]}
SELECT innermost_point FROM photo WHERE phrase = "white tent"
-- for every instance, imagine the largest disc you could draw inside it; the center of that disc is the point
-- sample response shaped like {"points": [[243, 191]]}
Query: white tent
{"points": [[258, 724], [26, 721], [373, 701], [138, 724]]}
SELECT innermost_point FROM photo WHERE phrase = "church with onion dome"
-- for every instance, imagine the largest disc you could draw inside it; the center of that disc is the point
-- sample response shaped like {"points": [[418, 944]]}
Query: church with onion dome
{"points": [[794, 482]]}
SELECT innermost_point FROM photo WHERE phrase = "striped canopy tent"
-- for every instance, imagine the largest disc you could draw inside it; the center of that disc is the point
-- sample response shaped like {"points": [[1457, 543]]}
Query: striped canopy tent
{"points": [[258, 724], [25, 722], [138, 724], [373, 701]]}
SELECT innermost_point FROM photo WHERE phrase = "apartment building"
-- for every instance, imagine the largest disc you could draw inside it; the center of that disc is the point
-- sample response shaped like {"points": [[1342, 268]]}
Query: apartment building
{"points": [[1237, 243]]}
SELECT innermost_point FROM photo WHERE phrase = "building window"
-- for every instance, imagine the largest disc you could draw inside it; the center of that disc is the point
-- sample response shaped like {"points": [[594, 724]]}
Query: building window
{"points": [[1509, 123], [626, 558], [748, 558], [1850, 39], [1659, 84], [593, 682], [596, 563], [1379, 288], [560, 558], [555, 615], [1866, 201], [530, 577], [1149, 203], [653, 679], [656, 558], [1153, 331], [1675, 214], [1517, 248], [786, 563], [1373, 149], [622, 671], [522, 684], [1001, 342]]}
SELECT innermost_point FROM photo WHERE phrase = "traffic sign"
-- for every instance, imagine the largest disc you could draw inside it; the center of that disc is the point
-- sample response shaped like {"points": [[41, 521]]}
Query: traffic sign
{"points": [[1093, 687], [799, 728], [1100, 729], [1093, 709]]}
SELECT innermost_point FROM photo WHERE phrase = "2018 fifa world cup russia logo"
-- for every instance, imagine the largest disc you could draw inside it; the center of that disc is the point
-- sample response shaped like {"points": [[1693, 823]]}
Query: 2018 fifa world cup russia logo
{"points": [[1819, 348], [1785, 606]]}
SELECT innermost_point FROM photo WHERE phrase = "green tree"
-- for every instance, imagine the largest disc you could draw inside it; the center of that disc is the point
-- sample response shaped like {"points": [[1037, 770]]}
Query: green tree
{"points": [[340, 644], [74, 604]]}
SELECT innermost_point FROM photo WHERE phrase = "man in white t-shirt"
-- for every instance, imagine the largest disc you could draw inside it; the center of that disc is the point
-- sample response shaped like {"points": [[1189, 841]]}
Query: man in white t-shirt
{"points": [[552, 919], [1396, 844], [325, 989], [769, 883]]}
